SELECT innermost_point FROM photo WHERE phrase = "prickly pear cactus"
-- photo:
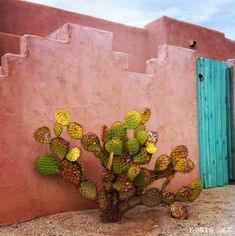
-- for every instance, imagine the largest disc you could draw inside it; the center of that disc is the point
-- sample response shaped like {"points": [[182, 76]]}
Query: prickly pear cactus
{"points": [[122, 149]]}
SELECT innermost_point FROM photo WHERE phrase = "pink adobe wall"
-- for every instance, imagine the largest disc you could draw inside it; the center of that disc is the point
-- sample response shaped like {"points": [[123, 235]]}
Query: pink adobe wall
{"points": [[19, 18], [210, 43], [96, 85], [9, 43], [140, 44]]}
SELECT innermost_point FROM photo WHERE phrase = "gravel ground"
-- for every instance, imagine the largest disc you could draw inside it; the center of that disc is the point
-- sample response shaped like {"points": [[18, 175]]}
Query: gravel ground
{"points": [[213, 213]]}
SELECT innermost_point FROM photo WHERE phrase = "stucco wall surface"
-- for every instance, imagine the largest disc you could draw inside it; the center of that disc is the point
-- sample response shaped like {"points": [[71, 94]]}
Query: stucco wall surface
{"points": [[19, 18], [76, 68]]}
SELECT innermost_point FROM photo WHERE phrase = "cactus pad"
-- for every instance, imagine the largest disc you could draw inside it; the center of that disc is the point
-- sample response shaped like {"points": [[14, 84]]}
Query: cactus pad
{"points": [[168, 198], [74, 154], [162, 163], [133, 171], [120, 166], [126, 194], [183, 194], [104, 157], [145, 115], [184, 166], [42, 135], [62, 116], [102, 200], [118, 130], [46, 164], [194, 194], [87, 189], [122, 184], [151, 198], [143, 157], [91, 142], [132, 119], [114, 145], [142, 136], [178, 153], [134, 201], [178, 211], [71, 172], [133, 146], [144, 178], [58, 129], [59, 147], [195, 184], [104, 133], [75, 130], [150, 148]]}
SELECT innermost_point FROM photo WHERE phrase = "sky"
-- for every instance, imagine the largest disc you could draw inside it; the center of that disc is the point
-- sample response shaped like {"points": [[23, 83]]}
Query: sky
{"points": [[214, 14]]}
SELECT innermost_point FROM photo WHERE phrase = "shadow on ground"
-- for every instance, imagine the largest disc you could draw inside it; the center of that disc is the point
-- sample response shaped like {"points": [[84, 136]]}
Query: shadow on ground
{"points": [[213, 213]]}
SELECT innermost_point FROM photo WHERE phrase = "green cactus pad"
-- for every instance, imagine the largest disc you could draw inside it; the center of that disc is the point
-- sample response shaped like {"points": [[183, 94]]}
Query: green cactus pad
{"points": [[151, 198], [195, 184], [102, 200], [184, 166], [144, 178], [75, 130], [91, 142], [42, 135], [133, 171], [126, 194], [46, 164], [59, 147], [58, 129], [134, 201], [104, 157], [141, 127], [168, 198], [122, 184], [145, 115], [142, 136], [62, 116], [178, 153], [178, 211], [143, 157], [87, 189], [132, 119], [71, 172], [133, 146], [114, 145], [120, 166], [74, 154], [162, 163], [118, 130], [183, 194]]}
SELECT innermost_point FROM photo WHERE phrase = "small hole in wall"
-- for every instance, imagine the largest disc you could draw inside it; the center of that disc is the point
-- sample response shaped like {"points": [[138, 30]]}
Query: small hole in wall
{"points": [[193, 44], [200, 76]]}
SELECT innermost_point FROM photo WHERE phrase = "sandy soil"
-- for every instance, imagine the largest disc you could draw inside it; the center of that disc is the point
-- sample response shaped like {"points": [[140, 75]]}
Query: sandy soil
{"points": [[213, 213]]}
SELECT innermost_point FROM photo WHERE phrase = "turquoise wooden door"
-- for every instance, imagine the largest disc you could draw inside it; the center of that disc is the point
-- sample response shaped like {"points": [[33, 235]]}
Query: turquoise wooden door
{"points": [[213, 119]]}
